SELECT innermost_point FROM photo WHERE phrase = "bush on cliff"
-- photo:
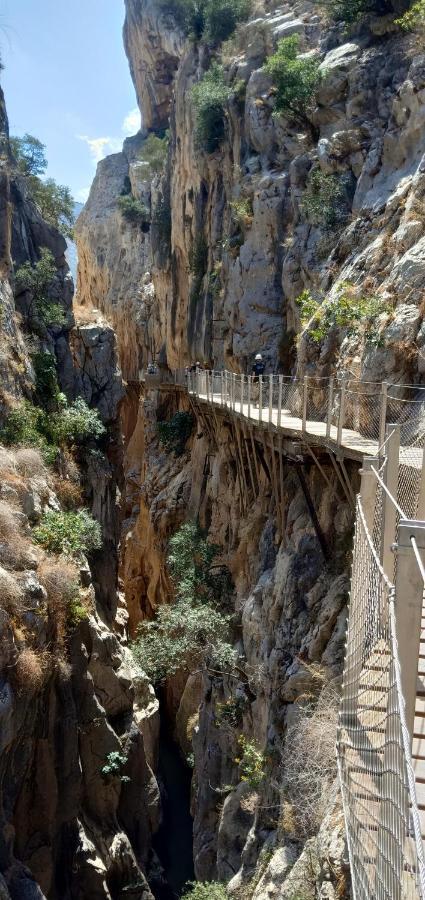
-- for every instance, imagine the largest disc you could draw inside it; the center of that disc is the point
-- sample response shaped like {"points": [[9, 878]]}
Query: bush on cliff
{"points": [[175, 433], [205, 890], [211, 20], [133, 210], [351, 11], [31, 426], [53, 200], [154, 152], [210, 97], [70, 533], [325, 200], [295, 77], [194, 629], [37, 279]]}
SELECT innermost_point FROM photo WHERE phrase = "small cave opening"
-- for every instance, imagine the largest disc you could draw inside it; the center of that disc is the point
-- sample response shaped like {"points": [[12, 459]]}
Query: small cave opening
{"points": [[173, 842]]}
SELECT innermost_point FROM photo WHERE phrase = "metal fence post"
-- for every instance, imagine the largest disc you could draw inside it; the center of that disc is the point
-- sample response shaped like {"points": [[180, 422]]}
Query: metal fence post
{"points": [[305, 398], [270, 399], [341, 415], [249, 396], [279, 402], [389, 512], [383, 412], [234, 391], [330, 406], [368, 488], [221, 388], [408, 609], [241, 404], [260, 397]]}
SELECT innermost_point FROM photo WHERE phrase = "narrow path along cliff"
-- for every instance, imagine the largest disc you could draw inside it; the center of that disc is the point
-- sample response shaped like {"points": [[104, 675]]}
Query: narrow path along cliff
{"points": [[174, 584]]}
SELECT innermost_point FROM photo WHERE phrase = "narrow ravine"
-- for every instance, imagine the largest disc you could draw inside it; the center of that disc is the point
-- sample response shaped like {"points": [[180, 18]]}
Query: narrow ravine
{"points": [[174, 840]]}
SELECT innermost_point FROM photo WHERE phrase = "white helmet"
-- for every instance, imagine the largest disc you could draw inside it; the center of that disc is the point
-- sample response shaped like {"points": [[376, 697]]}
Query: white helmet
{"points": [[258, 356]]}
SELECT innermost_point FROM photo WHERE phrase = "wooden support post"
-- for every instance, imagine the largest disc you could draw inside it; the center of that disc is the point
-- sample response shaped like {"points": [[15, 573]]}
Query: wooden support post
{"points": [[248, 456], [282, 496], [279, 402], [274, 470], [383, 413], [249, 395], [270, 399], [341, 416], [310, 506], [254, 453], [392, 451], [260, 397], [330, 406], [244, 481]]}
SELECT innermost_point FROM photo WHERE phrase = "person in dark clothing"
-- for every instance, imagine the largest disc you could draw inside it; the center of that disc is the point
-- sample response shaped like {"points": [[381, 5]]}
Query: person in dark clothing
{"points": [[257, 370]]}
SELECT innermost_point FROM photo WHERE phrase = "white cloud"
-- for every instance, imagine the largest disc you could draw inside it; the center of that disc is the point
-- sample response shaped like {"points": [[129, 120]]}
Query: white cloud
{"points": [[83, 194], [131, 123], [101, 146]]}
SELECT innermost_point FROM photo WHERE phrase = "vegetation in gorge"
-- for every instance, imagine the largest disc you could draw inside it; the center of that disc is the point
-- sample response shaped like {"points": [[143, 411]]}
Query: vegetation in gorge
{"points": [[206, 890], [53, 200], [70, 533], [251, 762], [324, 201], [175, 433], [295, 77], [194, 629], [347, 310], [210, 20], [154, 153], [37, 279], [414, 18], [133, 210], [351, 11], [210, 97], [115, 762]]}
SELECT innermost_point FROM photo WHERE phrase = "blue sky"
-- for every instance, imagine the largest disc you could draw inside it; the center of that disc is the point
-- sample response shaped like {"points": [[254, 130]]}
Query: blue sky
{"points": [[67, 81]]}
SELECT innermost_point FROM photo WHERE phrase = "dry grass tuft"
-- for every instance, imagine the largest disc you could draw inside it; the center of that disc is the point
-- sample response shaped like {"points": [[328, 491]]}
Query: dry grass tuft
{"points": [[10, 593], [69, 493], [7, 462], [60, 578], [31, 670], [16, 550], [309, 766], [29, 462]]}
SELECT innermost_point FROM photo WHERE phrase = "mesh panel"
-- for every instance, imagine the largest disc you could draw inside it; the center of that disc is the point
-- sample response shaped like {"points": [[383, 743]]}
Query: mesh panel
{"points": [[371, 755]]}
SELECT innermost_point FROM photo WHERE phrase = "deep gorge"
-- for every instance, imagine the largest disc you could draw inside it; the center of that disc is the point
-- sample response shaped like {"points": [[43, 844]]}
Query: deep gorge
{"points": [[215, 251]]}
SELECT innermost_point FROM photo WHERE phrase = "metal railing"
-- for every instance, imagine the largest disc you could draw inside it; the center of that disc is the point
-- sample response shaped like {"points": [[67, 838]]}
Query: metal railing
{"points": [[384, 822], [340, 411]]}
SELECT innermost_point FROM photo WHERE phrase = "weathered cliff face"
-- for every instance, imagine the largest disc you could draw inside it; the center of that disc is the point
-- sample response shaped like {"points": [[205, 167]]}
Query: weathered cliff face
{"points": [[367, 129], [70, 694]]}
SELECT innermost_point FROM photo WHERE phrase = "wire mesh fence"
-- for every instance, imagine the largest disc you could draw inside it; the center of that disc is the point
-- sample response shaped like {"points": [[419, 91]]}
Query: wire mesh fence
{"points": [[380, 806]]}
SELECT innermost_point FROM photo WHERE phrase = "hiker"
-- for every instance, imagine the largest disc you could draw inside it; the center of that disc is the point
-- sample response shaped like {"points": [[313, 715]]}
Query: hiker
{"points": [[257, 370]]}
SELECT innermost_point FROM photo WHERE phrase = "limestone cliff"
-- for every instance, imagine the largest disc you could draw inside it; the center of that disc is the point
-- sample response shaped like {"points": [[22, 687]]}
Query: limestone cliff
{"points": [[236, 236], [70, 695]]}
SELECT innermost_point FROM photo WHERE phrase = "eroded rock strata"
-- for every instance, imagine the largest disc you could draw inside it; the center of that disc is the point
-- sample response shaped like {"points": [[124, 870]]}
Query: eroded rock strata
{"points": [[229, 242]]}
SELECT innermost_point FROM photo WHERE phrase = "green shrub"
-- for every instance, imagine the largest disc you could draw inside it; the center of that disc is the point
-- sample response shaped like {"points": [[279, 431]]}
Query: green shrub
{"points": [[212, 20], [251, 763], [295, 78], [115, 762], [198, 256], [161, 221], [229, 712], [134, 210], [351, 11], [70, 533], [38, 279], [154, 152], [345, 310], [324, 200], [242, 212], [210, 97], [53, 200], [194, 629], [77, 423], [414, 18], [207, 890], [175, 433], [46, 379]]}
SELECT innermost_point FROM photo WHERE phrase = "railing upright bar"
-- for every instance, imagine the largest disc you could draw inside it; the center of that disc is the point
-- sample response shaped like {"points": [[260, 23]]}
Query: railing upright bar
{"points": [[389, 518], [234, 391], [408, 610], [304, 409], [383, 412], [330, 406], [270, 399], [221, 388], [279, 402], [260, 398], [249, 395], [241, 404], [341, 415]]}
